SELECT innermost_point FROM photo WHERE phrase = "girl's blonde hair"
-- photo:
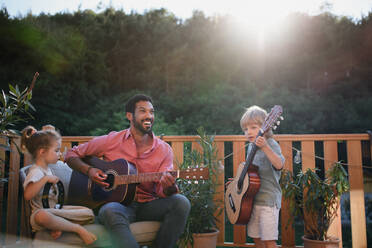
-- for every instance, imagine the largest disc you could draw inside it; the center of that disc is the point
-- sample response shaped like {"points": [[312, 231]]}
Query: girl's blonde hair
{"points": [[33, 140], [255, 115]]}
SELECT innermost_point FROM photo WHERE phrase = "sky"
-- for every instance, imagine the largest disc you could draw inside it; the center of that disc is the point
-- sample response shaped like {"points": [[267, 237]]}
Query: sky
{"points": [[247, 10]]}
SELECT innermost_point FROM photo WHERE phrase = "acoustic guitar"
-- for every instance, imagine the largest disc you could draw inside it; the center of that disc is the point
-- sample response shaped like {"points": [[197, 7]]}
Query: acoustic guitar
{"points": [[122, 178], [240, 193]]}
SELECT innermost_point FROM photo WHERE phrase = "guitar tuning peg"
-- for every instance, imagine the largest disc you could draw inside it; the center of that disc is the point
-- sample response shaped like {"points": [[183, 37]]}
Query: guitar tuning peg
{"points": [[188, 182], [281, 117], [278, 123], [274, 127], [196, 182], [197, 166]]}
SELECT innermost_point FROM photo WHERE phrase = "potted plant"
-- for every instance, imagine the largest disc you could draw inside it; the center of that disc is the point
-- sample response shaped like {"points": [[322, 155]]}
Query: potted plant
{"points": [[201, 223], [13, 107], [315, 201]]}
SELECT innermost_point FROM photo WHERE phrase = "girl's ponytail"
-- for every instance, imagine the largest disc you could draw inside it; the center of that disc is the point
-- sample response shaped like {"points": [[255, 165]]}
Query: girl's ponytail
{"points": [[33, 140], [27, 132]]}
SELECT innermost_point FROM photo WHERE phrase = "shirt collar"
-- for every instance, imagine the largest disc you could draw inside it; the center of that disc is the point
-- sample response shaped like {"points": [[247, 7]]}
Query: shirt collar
{"points": [[129, 133]]}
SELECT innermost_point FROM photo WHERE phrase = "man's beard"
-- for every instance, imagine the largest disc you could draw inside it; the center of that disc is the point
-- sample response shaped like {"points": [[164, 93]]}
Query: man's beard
{"points": [[138, 125]]}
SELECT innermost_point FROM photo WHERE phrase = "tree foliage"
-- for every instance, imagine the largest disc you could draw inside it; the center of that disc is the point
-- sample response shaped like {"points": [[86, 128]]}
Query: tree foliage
{"points": [[200, 71]]}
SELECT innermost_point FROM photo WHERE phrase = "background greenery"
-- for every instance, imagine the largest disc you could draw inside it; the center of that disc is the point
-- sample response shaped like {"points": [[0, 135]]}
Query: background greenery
{"points": [[200, 72]]}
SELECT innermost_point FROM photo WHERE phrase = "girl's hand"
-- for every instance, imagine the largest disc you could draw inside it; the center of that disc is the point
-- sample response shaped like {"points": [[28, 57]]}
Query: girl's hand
{"points": [[52, 179], [261, 142]]}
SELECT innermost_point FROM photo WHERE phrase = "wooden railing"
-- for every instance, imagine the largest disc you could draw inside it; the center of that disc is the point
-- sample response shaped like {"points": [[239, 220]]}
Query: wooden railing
{"points": [[324, 149]]}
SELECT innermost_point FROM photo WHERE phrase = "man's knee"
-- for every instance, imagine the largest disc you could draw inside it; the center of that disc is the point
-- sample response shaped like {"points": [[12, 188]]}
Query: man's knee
{"points": [[113, 212], [182, 204]]}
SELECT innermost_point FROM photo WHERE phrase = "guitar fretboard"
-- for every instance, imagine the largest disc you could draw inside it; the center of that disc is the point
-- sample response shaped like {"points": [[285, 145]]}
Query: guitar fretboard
{"points": [[143, 177]]}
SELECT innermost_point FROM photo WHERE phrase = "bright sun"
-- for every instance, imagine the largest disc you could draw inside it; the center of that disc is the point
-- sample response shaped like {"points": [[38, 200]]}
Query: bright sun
{"points": [[260, 17]]}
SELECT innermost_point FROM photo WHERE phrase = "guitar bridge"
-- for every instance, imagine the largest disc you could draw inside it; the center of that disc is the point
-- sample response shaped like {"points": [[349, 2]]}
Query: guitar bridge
{"points": [[232, 205]]}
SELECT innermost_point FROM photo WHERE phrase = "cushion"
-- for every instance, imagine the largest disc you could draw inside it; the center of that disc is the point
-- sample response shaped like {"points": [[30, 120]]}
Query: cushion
{"points": [[143, 231], [68, 239]]}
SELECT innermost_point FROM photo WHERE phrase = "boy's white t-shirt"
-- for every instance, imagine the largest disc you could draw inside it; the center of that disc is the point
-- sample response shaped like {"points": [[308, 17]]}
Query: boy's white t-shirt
{"points": [[35, 174]]}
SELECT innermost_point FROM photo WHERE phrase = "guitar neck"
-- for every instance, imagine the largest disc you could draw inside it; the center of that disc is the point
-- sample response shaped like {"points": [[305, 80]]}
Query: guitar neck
{"points": [[143, 177], [249, 161], [253, 151]]}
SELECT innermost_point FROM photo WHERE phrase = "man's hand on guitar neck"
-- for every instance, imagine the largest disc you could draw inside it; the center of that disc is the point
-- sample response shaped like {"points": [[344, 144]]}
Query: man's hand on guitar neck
{"points": [[168, 182]]}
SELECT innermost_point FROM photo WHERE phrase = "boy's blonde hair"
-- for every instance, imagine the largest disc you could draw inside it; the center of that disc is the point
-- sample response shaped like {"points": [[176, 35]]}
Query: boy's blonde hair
{"points": [[255, 115]]}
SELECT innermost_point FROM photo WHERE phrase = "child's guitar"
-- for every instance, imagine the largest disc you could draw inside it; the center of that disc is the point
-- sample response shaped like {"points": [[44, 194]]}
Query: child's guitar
{"points": [[122, 178], [241, 191]]}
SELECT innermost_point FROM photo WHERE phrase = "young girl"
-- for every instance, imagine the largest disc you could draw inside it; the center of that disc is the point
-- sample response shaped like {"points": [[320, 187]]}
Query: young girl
{"points": [[263, 224], [44, 146]]}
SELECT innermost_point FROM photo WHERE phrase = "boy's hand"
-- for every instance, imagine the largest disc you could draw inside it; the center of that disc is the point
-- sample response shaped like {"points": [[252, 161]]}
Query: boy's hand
{"points": [[229, 180], [52, 179], [261, 142]]}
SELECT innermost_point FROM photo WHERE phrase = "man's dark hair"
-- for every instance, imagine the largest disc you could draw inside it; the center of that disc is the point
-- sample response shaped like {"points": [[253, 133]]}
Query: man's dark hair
{"points": [[130, 106]]}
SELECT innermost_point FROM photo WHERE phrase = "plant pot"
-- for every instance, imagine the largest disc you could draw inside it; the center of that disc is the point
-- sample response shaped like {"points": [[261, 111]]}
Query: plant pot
{"points": [[331, 243], [205, 240]]}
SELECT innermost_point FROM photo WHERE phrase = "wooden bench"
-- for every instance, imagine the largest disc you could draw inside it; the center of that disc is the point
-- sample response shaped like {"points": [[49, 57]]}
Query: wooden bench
{"points": [[144, 231]]}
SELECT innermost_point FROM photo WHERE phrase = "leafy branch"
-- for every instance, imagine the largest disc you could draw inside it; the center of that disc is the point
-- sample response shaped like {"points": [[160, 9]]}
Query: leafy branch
{"points": [[14, 106]]}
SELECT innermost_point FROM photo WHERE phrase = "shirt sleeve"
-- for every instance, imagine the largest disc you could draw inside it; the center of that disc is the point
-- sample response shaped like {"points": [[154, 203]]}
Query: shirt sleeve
{"points": [[166, 165], [276, 148], [34, 175], [94, 147]]}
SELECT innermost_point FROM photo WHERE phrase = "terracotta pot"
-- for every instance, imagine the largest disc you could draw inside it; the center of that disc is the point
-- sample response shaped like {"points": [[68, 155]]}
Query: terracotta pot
{"points": [[205, 240], [331, 243]]}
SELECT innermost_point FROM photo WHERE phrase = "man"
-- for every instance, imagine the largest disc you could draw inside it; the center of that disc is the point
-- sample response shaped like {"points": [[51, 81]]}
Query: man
{"points": [[157, 201]]}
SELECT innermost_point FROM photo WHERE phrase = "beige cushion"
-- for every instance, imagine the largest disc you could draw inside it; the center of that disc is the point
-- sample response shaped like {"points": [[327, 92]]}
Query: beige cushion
{"points": [[68, 239], [143, 231]]}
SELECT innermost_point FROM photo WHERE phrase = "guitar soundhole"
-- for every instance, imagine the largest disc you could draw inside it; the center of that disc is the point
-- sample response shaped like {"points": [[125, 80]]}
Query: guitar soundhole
{"points": [[232, 205], [110, 180]]}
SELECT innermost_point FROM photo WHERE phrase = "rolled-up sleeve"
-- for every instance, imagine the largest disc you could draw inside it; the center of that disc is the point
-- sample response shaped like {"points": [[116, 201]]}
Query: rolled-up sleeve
{"points": [[166, 165], [94, 147]]}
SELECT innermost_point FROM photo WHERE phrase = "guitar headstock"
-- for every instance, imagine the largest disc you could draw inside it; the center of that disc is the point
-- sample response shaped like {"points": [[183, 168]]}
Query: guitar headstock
{"points": [[201, 173], [272, 117]]}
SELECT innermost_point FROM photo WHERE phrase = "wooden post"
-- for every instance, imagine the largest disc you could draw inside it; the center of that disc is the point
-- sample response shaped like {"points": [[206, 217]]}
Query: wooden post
{"points": [[240, 236], [3, 141], [12, 208], [331, 157], [177, 147], [219, 197], [287, 230], [308, 162], [357, 209]]}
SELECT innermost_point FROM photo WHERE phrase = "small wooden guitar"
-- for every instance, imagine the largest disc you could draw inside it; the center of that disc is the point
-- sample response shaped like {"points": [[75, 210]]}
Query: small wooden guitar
{"points": [[241, 191], [122, 178]]}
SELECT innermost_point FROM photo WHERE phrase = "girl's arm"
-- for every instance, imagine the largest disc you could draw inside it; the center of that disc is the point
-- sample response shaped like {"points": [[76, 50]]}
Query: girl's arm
{"points": [[270, 154], [33, 188]]}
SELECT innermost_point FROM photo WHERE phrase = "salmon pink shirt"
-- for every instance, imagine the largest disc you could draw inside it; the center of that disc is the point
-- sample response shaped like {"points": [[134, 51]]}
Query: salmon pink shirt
{"points": [[115, 145]]}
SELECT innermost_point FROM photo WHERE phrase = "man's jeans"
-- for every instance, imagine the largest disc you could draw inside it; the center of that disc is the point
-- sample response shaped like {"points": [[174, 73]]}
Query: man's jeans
{"points": [[172, 211]]}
